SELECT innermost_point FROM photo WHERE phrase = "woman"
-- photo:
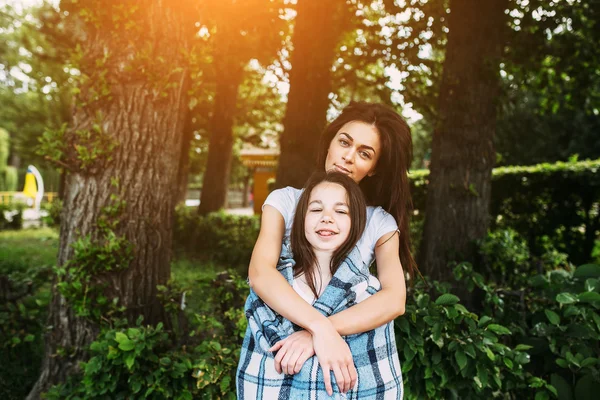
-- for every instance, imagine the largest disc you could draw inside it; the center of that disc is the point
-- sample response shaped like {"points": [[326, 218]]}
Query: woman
{"points": [[327, 270], [371, 144]]}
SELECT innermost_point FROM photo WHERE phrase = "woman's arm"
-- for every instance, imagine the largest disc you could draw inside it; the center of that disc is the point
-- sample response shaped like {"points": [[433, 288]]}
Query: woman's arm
{"points": [[383, 306]]}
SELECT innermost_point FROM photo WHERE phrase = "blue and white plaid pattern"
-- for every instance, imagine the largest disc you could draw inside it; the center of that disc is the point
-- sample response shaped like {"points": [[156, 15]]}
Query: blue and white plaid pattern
{"points": [[374, 352]]}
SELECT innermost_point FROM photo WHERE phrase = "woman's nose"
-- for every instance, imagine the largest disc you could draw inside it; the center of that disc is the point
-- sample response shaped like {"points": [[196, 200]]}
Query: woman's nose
{"points": [[349, 156]]}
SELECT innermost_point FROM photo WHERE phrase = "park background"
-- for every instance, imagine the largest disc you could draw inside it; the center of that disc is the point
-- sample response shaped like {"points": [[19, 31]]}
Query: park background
{"points": [[127, 107]]}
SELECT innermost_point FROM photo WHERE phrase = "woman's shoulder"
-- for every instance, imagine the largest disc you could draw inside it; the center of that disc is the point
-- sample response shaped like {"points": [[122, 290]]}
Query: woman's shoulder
{"points": [[377, 214]]}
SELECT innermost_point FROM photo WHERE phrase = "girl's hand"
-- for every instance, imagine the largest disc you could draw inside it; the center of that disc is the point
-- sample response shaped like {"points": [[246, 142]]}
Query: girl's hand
{"points": [[293, 351], [334, 355]]}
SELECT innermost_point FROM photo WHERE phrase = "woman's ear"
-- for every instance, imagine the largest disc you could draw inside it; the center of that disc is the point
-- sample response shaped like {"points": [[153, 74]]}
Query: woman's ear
{"points": [[370, 174]]}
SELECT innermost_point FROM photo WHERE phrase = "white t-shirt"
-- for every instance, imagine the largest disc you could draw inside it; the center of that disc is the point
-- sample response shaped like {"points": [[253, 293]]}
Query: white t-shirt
{"points": [[379, 222]]}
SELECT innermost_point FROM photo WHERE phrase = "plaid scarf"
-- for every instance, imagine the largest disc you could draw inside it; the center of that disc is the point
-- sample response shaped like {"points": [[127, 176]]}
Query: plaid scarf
{"points": [[374, 352]]}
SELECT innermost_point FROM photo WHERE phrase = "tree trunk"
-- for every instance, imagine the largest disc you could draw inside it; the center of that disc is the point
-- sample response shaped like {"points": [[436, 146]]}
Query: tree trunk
{"points": [[220, 147], [457, 208], [317, 31], [143, 115]]}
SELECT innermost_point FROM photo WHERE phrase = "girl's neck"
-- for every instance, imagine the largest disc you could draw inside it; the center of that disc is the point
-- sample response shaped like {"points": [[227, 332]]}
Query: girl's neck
{"points": [[323, 259]]}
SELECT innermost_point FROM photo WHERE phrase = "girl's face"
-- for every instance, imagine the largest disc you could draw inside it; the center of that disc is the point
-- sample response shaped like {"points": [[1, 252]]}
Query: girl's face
{"points": [[354, 150], [327, 220]]}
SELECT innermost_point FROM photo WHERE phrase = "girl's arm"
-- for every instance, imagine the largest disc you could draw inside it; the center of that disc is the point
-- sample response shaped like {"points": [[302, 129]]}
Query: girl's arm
{"points": [[383, 306]]}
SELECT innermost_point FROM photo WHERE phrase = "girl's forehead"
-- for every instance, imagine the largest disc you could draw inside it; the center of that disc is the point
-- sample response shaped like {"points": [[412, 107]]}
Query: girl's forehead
{"points": [[329, 191]]}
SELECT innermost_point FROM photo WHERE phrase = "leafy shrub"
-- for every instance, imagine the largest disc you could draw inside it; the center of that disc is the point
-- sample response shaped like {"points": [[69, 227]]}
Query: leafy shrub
{"points": [[556, 315], [447, 352], [54, 210], [11, 216], [22, 315], [224, 238], [534, 202], [153, 363]]}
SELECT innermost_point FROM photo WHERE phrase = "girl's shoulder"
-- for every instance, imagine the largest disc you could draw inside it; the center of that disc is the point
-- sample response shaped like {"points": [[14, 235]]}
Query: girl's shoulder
{"points": [[284, 197]]}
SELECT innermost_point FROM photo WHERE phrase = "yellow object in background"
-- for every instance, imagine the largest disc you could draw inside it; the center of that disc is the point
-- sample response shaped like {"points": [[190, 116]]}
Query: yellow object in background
{"points": [[30, 189]]}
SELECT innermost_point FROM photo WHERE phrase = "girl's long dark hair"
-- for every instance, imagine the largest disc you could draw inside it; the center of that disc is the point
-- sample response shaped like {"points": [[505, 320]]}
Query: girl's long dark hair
{"points": [[303, 253], [389, 186]]}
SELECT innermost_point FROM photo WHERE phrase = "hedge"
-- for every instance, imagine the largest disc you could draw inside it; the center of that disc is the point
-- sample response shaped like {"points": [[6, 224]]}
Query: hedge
{"points": [[558, 203]]}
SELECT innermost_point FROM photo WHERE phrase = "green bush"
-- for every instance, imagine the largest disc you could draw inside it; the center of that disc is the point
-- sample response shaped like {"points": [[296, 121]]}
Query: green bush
{"points": [[448, 352], [11, 216], [224, 238], [54, 210], [546, 202], [198, 361], [22, 316], [556, 315]]}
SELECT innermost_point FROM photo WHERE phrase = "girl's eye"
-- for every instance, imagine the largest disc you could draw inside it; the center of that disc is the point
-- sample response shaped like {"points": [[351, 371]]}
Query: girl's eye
{"points": [[342, 212], [315, 210]]}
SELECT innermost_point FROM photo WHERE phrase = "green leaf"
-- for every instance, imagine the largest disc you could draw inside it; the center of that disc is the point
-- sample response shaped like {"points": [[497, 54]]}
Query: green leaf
{"points": [[589, 297], [553, 317], [542, 396], [587, 271], [461, 359], [127, 345], [489, 353], [121, 337], [483, 320], [566, 298], [523, 347], [508, 362], [499, 329], [447, 299], [129, 361]]}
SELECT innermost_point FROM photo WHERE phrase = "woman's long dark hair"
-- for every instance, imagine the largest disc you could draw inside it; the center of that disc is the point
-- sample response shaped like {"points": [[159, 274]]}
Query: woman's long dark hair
{"points": [[303, 253], [389, 186]]}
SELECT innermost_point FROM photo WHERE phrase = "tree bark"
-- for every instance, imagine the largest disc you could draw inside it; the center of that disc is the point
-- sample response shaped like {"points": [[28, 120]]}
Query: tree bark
{"points": [[220, 147], [143, 114], [457, 208], [317, 31]]}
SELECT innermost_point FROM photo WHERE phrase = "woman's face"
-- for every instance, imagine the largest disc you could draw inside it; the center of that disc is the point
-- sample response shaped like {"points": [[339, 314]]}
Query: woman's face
{"points": [[354, 150], [327, 220]]}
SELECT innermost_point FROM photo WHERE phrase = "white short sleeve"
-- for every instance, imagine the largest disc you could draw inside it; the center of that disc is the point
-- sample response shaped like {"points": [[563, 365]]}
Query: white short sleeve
{"points": [[285, 201], [379, 222]]}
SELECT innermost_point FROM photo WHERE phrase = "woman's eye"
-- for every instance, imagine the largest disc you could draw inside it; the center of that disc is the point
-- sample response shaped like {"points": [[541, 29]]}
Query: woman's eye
{"points": [[365, 154], [344, 142]]}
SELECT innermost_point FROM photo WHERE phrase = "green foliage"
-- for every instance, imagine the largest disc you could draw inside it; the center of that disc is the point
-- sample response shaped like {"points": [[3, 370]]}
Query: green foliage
{"points": [[533, 201], [224, 238], [94, 255], [556, 316], [447, 351], [54, 211], [137, 361], [11, 216], [24, 296]]}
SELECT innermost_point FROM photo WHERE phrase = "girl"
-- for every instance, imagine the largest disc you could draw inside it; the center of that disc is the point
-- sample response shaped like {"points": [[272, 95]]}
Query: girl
{"points": [[328, 272], [372, 145]]}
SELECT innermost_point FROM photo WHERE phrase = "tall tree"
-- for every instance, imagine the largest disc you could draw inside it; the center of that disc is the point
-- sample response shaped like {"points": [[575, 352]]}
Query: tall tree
{"points": [[122, 151], [463, 151], [317, 31], [243, 30]]}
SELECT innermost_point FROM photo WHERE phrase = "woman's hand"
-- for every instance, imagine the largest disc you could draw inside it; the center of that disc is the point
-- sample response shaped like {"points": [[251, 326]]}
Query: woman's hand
{"points": [[292, 352], [334, 355]]}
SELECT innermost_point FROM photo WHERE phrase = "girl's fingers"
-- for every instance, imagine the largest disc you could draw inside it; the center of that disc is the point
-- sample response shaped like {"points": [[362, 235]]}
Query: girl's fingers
{"points": [[277, 345], [353, 376], [347, 378], [327, 379], [339, 378]]}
